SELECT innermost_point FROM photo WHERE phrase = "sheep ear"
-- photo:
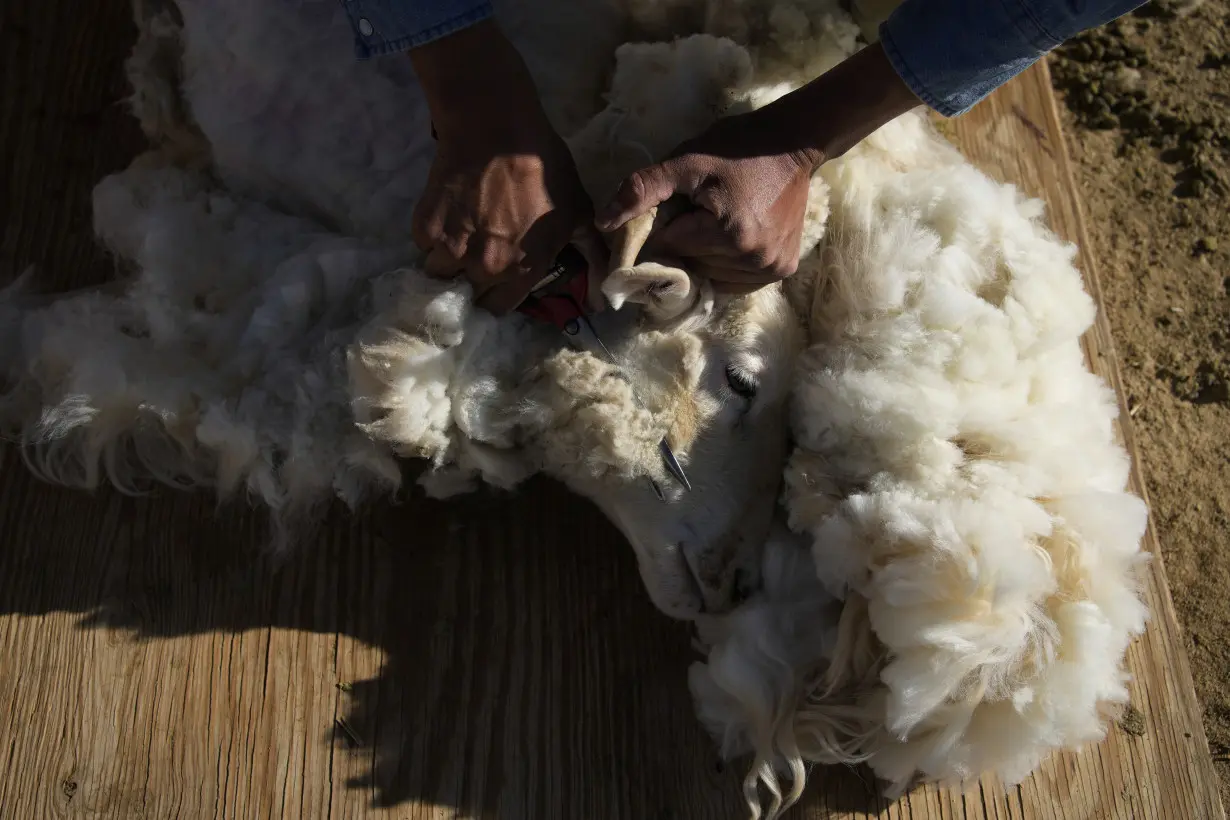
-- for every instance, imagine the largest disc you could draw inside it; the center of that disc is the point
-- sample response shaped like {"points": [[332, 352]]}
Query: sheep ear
{"points": [[665, 292], [626, 241]]}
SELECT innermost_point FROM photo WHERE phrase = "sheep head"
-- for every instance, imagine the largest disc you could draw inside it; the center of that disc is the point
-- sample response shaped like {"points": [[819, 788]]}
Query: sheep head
{"points": [[711, 376]]}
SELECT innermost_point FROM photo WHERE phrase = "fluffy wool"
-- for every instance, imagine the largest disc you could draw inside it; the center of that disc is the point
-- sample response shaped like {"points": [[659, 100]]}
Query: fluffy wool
{"points": [[949, 587], [957, 470]]}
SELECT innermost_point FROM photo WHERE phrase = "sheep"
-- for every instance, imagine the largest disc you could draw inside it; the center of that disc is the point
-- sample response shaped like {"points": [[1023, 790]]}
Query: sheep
{"points": [[924, 498], [277, 338]]}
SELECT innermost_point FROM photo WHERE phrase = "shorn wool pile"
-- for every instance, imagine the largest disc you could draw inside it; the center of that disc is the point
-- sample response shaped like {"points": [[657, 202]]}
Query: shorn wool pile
{"points": [[943, 568]]}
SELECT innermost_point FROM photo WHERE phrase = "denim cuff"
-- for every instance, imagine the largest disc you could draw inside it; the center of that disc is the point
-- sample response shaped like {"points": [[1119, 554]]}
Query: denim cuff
{"points": [[954, 53], [390, 26]]}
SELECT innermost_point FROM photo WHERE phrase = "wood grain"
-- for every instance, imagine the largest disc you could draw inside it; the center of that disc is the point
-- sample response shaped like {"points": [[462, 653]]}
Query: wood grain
{"points": [[485, 658]]}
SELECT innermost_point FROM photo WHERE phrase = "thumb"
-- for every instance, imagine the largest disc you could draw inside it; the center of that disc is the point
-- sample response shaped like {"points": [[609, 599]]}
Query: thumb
{"points": [[637, 194]]}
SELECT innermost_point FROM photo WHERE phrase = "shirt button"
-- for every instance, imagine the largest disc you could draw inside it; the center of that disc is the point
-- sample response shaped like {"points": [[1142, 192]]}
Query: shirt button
{"points": [[365, 27]]}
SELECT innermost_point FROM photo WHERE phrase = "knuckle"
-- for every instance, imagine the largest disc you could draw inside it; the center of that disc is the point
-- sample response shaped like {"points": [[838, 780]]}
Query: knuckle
{"points": [[426, 230], [432, 229], [454, 245], [634, 186], [784, 269], [494, 257], [747, 243]]}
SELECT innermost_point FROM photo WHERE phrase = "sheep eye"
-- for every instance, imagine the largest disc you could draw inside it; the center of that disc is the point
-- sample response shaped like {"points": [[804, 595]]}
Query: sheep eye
{"points": [[741, 382]]}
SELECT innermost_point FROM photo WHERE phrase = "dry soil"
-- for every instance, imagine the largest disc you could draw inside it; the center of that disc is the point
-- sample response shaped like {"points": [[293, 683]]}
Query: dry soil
{"points": [[1147, 111]]}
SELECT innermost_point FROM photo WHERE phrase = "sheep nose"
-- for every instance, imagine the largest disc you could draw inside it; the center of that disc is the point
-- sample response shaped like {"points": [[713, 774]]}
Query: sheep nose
{"points": [[744, 586], [718, 578]]}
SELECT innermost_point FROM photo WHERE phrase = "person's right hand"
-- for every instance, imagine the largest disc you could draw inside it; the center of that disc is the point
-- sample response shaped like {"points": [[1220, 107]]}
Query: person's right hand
{"points": [[747, 177], [749, 201], [503, 197]]}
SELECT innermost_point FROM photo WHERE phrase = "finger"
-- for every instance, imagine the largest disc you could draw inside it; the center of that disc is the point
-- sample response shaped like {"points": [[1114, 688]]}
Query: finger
{"points": [[424, 227], [507, 294], [489, 258], [442, 264], [735, 271], [692, 235], [427, 218], [637, 194]]}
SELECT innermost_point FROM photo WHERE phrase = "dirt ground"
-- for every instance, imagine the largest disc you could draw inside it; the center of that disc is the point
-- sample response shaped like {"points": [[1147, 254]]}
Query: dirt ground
{"points": [[1147, 102]]}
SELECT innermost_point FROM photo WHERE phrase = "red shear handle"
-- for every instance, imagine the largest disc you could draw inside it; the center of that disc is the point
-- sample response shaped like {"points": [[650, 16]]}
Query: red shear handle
{"points": [[561, 300]]}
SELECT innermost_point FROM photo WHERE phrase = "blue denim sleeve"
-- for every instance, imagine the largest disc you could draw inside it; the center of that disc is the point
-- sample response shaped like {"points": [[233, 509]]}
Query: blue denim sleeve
{"points": [[387, 26], [953, 53]]}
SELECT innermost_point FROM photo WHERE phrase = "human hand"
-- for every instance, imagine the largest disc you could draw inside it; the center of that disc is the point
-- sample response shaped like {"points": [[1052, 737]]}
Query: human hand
{"points": [[748, 175], [503, 196], [746, 227]]}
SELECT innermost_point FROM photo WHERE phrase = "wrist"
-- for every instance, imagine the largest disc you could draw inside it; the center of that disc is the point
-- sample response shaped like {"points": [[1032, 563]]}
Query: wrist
{"points": [[475, 78], [844, 105]]}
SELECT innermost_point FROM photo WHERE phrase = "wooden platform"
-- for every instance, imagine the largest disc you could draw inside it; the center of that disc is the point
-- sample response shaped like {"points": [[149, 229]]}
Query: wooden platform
{"points": [[487, 658]]}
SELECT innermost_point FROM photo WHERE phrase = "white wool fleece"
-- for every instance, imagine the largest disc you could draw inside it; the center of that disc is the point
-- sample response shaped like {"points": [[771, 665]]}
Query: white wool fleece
{"points": [[957, 469], [955, 517]]}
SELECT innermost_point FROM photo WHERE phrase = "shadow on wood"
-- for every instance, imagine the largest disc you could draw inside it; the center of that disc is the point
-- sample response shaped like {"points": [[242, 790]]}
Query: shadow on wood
{"points": [[519, 669]]}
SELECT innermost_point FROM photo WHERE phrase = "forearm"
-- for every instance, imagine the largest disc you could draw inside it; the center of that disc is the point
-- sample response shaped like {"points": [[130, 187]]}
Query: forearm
{"points": [[947, 55], [825, 118], [953, 54], [475, 72]]}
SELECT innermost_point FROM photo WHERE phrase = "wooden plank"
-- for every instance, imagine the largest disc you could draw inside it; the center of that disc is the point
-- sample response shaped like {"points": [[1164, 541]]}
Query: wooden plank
{"points": [[494, 657], [1016, 136]]}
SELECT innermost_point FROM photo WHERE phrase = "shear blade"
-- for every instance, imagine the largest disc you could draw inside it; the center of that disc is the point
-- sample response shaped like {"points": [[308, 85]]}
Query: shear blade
{"points": [[668, 456], [672, 464]]}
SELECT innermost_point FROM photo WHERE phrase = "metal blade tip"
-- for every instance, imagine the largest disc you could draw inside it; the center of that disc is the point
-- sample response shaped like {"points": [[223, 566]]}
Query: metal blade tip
{"points": [[672, 464]]}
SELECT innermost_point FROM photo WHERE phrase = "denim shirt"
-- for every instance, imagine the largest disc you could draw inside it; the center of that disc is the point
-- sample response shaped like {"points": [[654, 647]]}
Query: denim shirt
{"points": [[951, 53]]}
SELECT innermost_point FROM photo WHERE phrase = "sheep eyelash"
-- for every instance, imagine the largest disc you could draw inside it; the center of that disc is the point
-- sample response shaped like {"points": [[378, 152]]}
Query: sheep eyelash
{"points": [[741, 383]]}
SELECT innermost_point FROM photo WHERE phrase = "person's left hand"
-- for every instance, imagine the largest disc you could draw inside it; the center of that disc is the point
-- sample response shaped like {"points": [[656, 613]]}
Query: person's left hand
{"points": [[750, 202]]}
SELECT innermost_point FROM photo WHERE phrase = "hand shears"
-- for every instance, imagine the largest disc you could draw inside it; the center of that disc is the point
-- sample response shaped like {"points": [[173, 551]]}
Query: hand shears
{"points": [[559, 298]]}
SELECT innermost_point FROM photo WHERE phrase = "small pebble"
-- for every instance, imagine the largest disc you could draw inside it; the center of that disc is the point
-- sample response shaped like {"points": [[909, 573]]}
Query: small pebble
{"points": [[1132, 722]]}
